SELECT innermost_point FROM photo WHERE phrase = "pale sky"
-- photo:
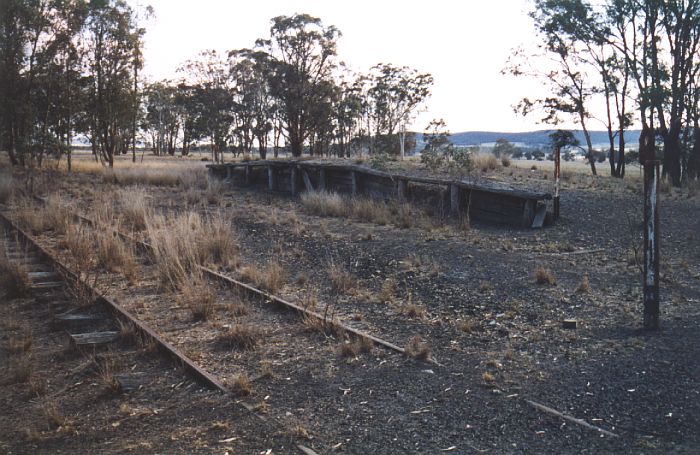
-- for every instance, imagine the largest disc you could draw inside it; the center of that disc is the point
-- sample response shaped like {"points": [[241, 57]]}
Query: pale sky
{"points": [[463, 44]]}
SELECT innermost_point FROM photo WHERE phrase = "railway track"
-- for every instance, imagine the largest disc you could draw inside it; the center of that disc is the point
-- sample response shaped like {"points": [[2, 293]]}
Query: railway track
{"points": [[188, 344]]}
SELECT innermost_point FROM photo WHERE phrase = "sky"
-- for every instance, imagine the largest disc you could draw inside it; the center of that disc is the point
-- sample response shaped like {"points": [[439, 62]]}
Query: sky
{"points": [[463, 44]]}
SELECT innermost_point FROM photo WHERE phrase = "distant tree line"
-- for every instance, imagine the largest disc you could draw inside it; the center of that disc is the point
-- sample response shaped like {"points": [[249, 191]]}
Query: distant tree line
{"points": [[71, 67], [287, 89], [639, 56]]}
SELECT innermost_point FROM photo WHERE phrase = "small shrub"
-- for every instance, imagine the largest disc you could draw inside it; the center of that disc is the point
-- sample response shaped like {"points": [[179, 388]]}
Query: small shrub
{"points": [[485, 162], [488, 377], [544, 276], [505, 161], [354, 348]]}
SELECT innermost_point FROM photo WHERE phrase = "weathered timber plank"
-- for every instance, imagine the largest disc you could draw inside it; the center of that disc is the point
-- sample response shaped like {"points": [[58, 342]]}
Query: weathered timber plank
{"points": [[94, 338], [540, 214], [307, 180]]}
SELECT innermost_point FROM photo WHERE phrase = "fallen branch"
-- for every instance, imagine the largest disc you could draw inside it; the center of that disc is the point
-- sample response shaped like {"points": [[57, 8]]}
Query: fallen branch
{"points": [[581, 422]]}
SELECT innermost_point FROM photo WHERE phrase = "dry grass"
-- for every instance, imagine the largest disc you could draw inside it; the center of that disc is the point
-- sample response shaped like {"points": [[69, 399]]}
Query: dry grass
{"points": [[356, 347], [32, 220], [485, 162], [6, 187], [174, 247], [56, 215], [14, 279], [413, 310], [241, 385], [157, 176], [19, 369], [585, 285], [342, 281], [199, 298], [218, 243], [418, 348], [270, 279], [544, 276], [18, 345], [465, 325], [183, 242], [370, 211], [215, 190], [78, 242], [239, 336], [115, 255], [387, 291], [135, 207], [488, 377], [324, 203]]}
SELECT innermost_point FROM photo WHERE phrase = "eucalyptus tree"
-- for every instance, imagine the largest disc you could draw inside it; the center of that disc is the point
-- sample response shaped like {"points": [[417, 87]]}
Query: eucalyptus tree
{"points": [[214, 94], [396, 93], [163, 116], [110, 40], [302, 58]]}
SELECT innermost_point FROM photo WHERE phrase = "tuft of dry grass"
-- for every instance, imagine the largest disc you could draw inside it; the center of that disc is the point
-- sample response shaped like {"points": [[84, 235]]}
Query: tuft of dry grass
{"points": [[413, 311], [485, 162], [115, 255], [465, 325], [214, 192], [324, 203], [78, 242], [241, 385], [32, 220], [239, 336], [370, 210], [585, 285], [488, 377], [354, 348], [418, 348], [342, 281], [270, 279], [14, 279], [218, 244], [387, 291], [199, 298], [56, 215], [19, 369], [544, 276], [135, 207]]}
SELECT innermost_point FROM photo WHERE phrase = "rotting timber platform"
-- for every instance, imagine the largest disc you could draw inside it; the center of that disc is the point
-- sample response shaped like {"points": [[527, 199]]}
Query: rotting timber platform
{"points": [[483, 201]]}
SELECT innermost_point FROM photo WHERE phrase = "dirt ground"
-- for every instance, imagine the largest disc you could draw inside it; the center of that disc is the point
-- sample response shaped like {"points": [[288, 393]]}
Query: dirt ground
{"points": [[495, 335]]}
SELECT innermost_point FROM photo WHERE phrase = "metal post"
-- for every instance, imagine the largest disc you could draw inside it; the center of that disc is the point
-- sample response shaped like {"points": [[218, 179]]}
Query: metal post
{"points": [[557, 178], [651, 244]]}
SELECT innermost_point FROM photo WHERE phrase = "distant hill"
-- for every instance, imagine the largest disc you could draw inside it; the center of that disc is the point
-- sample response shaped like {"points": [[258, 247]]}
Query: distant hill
{"points": [[533, 138]]}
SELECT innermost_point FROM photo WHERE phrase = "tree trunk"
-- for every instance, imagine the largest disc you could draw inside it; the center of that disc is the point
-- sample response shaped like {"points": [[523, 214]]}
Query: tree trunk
{"points": [[672, 153]]}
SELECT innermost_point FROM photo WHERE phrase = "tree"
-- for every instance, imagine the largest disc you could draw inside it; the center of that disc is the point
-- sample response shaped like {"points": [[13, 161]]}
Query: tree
{"points": [[503, 147], [396, 93], [213, 95], [111, 39], [302, 55]]}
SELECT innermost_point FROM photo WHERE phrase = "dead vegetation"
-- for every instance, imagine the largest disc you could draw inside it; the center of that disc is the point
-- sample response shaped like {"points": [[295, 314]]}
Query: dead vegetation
{"points": [[356, 347], [135, 208], [241, 385], [199, 298], [544, 276], [270, 278], [114, 255], [342, 281], [418, 348], [324, 203], [239, 336], [14, 279]]}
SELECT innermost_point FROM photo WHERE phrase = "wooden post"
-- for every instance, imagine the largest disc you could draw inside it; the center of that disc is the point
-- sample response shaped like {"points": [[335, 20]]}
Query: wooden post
{"points": [[228, 172], [454, 200], [322, 179], [247, 174], [270, 178], [651, 245], [293, 179], [307, 181], [401, 190], [557, 176], [353, 177]]}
